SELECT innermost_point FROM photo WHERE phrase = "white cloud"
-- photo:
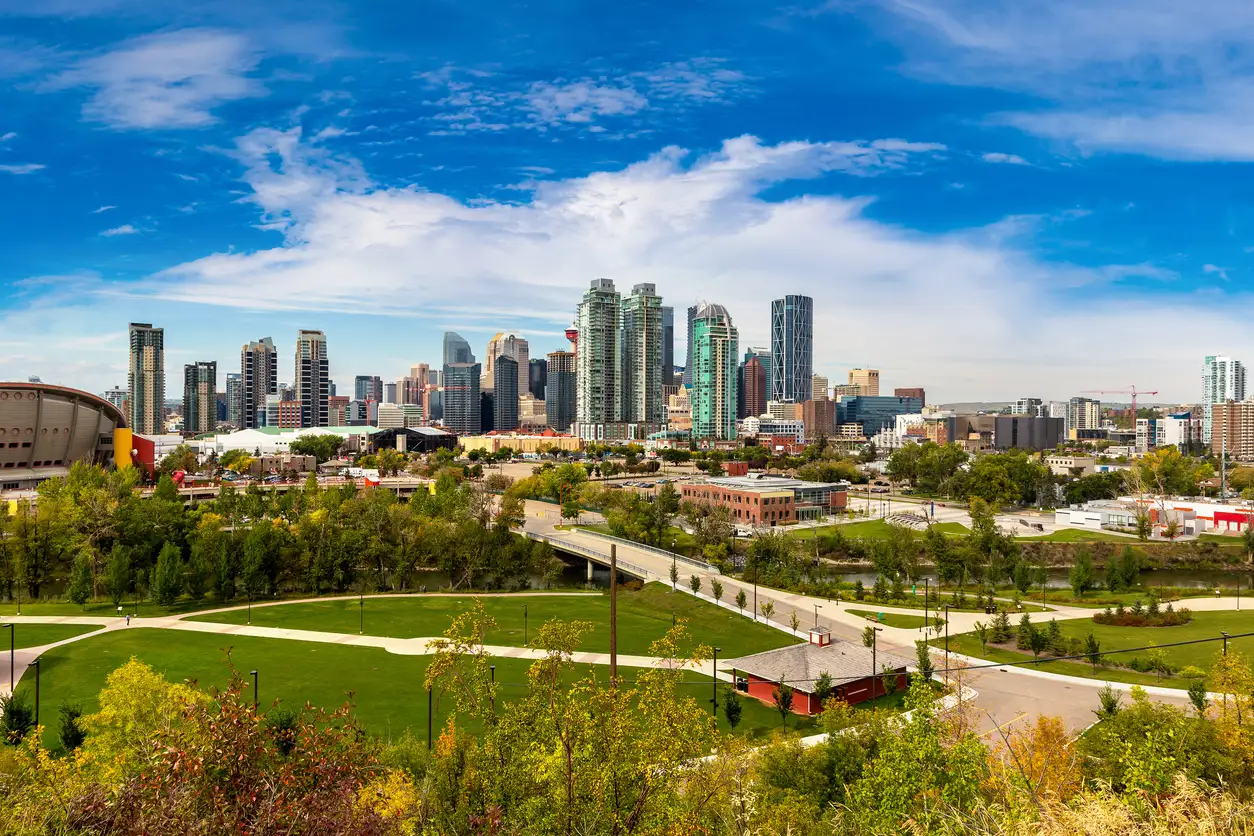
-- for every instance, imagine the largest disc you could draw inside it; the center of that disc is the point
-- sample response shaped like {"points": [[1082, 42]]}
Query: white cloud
{"points": [[22, 168], [124, 229], [1153, 77], [698, 227], [581, 101], [1221, 272], [1008, 159], [102, 209], [168, 80], [8, 136]]}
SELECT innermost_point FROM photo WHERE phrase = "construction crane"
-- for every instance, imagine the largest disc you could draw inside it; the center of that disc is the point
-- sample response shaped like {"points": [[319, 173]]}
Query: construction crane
{"points": [[1131, 390]]}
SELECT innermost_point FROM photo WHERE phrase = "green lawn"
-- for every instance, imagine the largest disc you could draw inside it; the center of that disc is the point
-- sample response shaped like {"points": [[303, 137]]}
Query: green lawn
{"points": [[388, 691], [1079, 535], [892, 619], [643, 616], [676, 538], [1205, 625], [872, 529], [37, 635]]}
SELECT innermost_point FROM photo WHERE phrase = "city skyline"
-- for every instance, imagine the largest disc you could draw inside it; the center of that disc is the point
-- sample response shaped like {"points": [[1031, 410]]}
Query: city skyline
{"points": [[1020, 209]]}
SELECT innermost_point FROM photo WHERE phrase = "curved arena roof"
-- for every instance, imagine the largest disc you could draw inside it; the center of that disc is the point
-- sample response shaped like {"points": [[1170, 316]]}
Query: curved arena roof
{"points": [[44, 429]]}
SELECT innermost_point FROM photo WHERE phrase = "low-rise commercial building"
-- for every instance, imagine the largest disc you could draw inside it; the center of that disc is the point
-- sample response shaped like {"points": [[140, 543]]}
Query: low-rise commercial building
{"points": [[761, 500], [752, 427], [1069, 465], [615, 431], [522, 442]]}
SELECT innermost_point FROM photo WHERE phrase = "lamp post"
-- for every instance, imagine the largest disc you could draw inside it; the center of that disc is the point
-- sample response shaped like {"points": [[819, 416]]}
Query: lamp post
{"points": [[926, 588], [361, 609], [428, 718], [35, 665], [816, 616], [492, 691], [714, 696], [12, 645], [254, 675], [946, 639], [875, 671], [1224, 633], [524, 623], [248, 591]]}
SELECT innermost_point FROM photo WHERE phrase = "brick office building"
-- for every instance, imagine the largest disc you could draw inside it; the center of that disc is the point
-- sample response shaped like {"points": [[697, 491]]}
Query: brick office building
{"points": [[769, 500]]}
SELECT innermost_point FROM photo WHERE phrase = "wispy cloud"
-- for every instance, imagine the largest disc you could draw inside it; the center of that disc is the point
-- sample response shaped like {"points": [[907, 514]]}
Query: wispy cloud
{"points": [[8, 136], [1152, 77], [1221, 272], [1008, 159], [22, 168], [169, 80], [124, 229], [477, 101], [102, 209]]}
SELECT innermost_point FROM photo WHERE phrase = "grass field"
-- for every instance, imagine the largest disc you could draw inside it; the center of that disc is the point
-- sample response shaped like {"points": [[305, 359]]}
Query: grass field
{"points": [[643, 616], [892, 619], [1205, 625], [388, 691], [37, 635], [1077, 535], [681, 540]]}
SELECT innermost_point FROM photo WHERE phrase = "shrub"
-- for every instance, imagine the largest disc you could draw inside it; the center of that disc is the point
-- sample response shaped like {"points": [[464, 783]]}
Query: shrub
{"points": [[1192, 672], [18, 718], [1125, 618]]}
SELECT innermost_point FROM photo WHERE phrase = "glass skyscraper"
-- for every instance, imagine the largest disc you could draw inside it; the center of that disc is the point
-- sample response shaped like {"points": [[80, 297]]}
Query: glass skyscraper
{"points": [[456, 349], [792, 348], [715, 360], [598, 357], [641, 354]]}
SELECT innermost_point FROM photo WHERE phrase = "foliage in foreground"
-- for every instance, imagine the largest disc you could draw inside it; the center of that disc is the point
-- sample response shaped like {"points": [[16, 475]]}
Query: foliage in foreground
{"points": [[577, 754]]}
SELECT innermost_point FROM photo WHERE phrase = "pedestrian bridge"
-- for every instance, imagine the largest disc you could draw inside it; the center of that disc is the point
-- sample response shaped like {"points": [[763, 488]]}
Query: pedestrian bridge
{"points": [[640, 561]]}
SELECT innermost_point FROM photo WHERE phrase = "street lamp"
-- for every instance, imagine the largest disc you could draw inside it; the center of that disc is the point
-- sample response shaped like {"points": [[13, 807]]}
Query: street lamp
{"points": [[524, 623], [875, 671], [35, 665], [12, 645], [254, 675], [492, 692], [361, 609], [714, 697], [816, 616]]}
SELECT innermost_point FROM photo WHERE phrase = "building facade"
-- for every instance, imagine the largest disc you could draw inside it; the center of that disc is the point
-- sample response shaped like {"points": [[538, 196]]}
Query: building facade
{"points": [[668, 344], [313, 378], [456, 349], [461, 398], [912, 392], [505, 389], [560, 399], [1232, 430], [641, 353], [818, 388], [715, 355], [259, 372], [200, 383], [1083, 414], [753, 387], [792, 348], [1029, 406], [368, 388], [819, 417], [867, 381], [598, 358], [146, 378], [769, 500], [874, 414], [1223, 379], [235, 399], [1180, 430], [537, 377], [692, 316]]}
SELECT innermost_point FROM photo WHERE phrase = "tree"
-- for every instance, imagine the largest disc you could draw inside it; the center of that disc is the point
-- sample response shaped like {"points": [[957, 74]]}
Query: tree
{"points": [[732, 707], [981, 632], [674, 576], [71, 733], [694, 582], [1197, 696], [1110, 702], [716, 587], [741, 600], [167, 578], [1025, 632], [80, 579], [1038, 641], [823, 687], [181, 458], [1093, 650], [868, 636], [782, 695], [17, 717], [794, 621], [1082, 576], [119, 578], [889, 678], [768, 609], [322, 446], [924, 658]]}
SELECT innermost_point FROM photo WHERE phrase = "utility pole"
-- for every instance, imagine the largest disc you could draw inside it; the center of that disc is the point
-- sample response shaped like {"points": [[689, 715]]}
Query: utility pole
{"points": [[613, 615]]}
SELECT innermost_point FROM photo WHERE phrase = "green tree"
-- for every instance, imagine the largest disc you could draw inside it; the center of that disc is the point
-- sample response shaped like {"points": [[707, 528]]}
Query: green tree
{"points": [[1038, 642], [924, 657], [674, 576], [716, 588], [889, 677], [794, 621], [181, 458], [1197, 696], [120, 576], [768, 609], [167, 579], [1093, 650], [868, 636], [17, 719], [783, 696], [694, 582], [981, 632], [732, 707], [322, 446], [741, 600], [71, 732], [80, 579], [1082, 576], [823, 687]]}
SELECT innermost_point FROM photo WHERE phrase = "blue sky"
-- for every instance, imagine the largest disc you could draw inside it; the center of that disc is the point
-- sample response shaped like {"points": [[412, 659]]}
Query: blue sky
{"points": [[989, 199]]}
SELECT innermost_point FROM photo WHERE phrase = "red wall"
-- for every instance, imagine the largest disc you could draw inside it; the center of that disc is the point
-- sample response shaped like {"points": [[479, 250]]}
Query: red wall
{"points": [[852, 692]]}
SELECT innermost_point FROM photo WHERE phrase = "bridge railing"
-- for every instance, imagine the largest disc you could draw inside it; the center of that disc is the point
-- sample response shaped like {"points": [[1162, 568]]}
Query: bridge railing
{"points": [[669, 555], [626, 566]]}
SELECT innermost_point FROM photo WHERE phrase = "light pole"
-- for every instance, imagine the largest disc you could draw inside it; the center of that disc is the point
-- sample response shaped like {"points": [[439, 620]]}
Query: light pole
{"points": [[926, 588], [254, 675], [12, 645], [361, 610], [875, 671], [524, 623], [1224, 633], [492, 691], [35, 665], [714, 697], [816, 616], [249, 593], [947, 639]]}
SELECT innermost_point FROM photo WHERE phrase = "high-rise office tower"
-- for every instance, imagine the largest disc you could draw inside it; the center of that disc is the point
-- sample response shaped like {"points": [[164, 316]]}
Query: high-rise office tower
{"points": [[1024, 406], [559, 391], [1223, 379], [200, 390], [146, 378], [461, 398], [818, 388], [259, 373], [235, 399], [792, 348], [456, 350], [600, 395], [921, 394], [692, 315], [642, 355], [715, 354], [368, 388], [389, 393], [537, 377], [668, 344], [764, 357], [867, 380], [505, 392], [1084, 414], [753, 391], [118, 397], [313, 378], [504, 345]]}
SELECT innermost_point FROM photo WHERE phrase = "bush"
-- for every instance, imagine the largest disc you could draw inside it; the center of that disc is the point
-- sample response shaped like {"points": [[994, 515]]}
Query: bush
{"points": [[1192, 672], [1124, 618], [18, 718], [71, 734]]}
